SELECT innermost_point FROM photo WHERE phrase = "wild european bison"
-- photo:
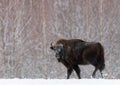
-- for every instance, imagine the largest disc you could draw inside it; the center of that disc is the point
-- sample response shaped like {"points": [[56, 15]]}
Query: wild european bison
{"points": [[76, 52]]}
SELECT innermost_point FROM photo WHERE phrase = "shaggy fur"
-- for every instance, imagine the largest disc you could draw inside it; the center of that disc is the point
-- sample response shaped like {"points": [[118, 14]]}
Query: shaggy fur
{"points": [[76, 52]]}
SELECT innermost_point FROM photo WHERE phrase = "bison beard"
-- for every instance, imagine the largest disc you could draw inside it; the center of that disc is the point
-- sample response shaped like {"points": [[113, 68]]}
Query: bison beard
{"points": [[76, 52]]}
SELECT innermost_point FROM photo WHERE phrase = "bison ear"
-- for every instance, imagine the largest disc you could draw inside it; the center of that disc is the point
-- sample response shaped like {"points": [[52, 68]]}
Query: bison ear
{"points": [[51, 47]]}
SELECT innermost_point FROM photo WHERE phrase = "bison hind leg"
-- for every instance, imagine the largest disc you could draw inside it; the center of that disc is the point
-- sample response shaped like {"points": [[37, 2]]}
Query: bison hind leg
{"points": [[94, 72], [97, 66], [101, 69], [101, 73]]}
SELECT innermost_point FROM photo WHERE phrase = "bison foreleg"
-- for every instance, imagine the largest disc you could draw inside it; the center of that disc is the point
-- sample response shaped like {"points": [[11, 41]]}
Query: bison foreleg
{"points": [[77, 70], [69, 72]]}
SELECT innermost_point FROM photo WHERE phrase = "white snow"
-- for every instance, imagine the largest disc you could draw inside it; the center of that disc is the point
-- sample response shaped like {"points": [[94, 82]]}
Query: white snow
{"points": [[59, 82]]}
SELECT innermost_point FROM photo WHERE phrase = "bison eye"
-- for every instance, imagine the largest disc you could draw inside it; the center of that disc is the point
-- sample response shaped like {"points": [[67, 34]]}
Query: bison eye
{"points": [[57, 50]]}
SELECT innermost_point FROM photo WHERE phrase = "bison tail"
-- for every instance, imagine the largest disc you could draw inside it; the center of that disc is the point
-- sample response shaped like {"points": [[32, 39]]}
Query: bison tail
{"points": [[102, 60]]}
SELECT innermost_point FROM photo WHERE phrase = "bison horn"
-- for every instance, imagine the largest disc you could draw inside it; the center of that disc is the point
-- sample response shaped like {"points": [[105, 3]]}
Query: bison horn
{"points": [[51, 44]]}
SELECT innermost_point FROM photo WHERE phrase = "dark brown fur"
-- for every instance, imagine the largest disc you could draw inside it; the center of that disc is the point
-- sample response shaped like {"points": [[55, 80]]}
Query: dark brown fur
{"points": [[78, 52]]}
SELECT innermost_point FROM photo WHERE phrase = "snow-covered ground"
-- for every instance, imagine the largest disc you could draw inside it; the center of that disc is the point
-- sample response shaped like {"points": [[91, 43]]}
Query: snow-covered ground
{"points": [[59, 82]]}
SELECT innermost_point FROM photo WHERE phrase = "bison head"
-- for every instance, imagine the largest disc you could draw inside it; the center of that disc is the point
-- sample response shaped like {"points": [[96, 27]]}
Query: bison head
{"points": [[59, 50]]}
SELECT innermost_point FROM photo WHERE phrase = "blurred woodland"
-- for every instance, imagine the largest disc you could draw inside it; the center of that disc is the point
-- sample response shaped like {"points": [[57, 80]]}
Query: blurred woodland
{"points": [[27, 27]]}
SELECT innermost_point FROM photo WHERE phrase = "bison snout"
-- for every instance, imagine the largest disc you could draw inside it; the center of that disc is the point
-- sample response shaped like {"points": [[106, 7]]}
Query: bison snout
{"points": [[51, 48]]}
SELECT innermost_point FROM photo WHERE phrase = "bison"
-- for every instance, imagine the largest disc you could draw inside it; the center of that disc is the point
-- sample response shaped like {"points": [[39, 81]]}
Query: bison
{"points": [[74, 52]]}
